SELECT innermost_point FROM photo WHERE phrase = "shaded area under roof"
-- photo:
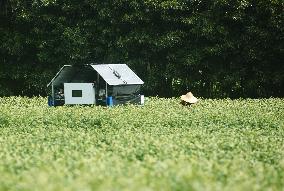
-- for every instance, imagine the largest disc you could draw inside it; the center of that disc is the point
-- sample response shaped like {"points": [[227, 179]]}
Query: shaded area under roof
{"points": [[113, 74]]}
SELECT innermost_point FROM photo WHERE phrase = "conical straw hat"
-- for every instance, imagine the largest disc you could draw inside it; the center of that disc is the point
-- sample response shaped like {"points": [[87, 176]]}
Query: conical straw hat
{"points": [[189, 98]]}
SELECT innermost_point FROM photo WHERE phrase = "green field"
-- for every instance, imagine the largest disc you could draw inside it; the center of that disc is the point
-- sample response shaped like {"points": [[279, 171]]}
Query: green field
{"points": [[213, 145]]}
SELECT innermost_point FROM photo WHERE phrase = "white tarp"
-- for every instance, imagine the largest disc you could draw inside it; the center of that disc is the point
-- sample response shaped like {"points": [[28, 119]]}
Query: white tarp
{"points": [[117, 74]]}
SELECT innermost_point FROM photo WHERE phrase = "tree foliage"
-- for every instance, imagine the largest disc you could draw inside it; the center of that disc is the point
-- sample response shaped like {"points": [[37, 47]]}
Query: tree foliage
{"points": [[220, 48]]}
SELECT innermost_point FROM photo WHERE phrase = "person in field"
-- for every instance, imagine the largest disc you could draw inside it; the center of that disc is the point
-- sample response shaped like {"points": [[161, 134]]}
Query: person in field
{"points": [[188, 99]]}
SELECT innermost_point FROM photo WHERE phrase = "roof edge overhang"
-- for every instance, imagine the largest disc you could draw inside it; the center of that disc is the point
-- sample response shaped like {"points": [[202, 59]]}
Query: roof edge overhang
{"points": [[57, 74]]}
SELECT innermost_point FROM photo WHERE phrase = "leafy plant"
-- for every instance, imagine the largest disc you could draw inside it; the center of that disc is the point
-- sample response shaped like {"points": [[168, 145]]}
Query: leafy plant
{"points": [[212, 145]]}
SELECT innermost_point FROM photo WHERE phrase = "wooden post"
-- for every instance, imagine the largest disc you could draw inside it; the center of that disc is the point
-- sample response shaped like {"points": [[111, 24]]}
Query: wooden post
{"points": [[52, 93], [106, 90]]}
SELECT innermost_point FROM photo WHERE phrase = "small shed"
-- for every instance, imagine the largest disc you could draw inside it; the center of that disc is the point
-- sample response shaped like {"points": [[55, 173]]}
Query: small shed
{"points": [[99, 84]]}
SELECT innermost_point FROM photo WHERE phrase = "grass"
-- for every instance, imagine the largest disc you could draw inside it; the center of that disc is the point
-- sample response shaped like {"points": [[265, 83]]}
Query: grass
{"points": [[213, 145]]}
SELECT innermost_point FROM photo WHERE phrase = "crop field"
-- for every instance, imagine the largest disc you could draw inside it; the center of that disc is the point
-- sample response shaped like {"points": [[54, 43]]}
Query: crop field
{"points": [[212, 145]]}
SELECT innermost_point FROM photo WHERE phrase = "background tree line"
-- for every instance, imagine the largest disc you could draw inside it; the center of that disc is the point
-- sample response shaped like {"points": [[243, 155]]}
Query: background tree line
{"points": [[215, 48]]}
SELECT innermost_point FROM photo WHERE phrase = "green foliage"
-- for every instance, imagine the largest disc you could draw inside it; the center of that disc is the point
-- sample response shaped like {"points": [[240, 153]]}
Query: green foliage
{"points": [[213, 145], [217, 48]]}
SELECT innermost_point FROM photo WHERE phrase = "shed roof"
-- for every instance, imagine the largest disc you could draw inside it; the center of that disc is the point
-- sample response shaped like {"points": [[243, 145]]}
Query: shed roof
{"points": [[117, 74], [113, 74]]}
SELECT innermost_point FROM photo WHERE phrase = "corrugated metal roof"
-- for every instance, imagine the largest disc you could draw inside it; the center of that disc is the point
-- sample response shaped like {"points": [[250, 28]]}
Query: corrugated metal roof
{"points": [[117, 74]]}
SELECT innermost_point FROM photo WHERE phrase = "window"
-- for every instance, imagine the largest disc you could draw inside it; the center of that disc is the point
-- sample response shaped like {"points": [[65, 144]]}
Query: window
{"points": [[76, 93]]}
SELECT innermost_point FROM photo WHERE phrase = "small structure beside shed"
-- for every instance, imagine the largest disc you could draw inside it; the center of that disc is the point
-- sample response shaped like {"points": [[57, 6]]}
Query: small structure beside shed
{"points": [[99, 84]]}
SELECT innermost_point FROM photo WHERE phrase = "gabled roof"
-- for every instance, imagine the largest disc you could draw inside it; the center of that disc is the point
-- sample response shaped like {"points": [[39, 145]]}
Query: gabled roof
{"points": [[117, 74], [113, 74]]}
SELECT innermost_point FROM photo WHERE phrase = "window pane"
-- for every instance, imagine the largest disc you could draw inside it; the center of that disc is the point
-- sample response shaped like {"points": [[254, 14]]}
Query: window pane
{"points": [[76, 93]]}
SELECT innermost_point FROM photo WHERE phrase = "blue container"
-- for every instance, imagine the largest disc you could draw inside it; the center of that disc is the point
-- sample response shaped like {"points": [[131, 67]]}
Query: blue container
{"points": [[50, 101], [109, 101]]}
